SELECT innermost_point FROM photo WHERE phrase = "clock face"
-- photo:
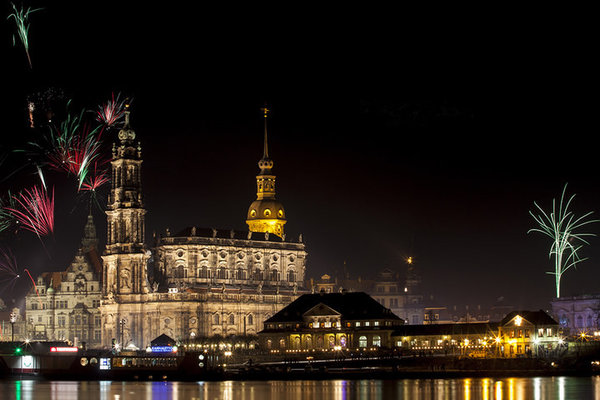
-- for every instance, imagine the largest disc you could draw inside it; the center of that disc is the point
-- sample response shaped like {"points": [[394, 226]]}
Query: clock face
{"points": [[122, 135]]}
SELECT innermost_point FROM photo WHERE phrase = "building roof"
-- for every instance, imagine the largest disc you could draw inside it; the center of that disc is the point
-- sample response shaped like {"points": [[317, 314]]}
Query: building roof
{"points": [[535, 317], [193, 231], [351, 306], [163, 340]]}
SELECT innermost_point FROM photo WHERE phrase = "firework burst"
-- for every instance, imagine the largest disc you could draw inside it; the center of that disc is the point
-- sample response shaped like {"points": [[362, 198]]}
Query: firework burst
{"points": [[34, 210], [21, 17], [562, 226], [96, 179], [112, 111]]}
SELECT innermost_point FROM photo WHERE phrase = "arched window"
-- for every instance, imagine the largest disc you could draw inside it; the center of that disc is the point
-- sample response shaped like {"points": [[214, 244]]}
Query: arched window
{"points": [[377, 341], [216, 319], [291, 275], [231, 319], [282, 343], [222, 273], [275, 275], [343, 341], [241, 274], [203, 272], [589, 321], [362, 341], [257, 276], [249, 320], [579, 320]]}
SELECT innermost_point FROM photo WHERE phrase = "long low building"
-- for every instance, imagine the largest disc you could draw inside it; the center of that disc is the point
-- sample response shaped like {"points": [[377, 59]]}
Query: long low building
{"points": [[464, 338], [329, 321], [356, 321]]}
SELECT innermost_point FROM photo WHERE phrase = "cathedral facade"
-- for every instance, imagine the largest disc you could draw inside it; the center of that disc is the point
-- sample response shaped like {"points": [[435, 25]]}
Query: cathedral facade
{"points": [[198, 282]]}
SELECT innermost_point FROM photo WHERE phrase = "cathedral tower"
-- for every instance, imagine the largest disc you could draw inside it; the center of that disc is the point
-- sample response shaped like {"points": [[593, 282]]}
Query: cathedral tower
{"points": [[266, 214], [124, 257]]}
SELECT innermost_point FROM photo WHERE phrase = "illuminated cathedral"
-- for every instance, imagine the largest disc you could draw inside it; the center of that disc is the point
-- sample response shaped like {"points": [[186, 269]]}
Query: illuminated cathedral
{"points": [[194, 283]]}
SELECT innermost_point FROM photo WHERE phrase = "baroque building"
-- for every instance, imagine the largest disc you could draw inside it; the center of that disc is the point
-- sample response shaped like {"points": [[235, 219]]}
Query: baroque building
{"points": [[66, 303], [198, 282]]}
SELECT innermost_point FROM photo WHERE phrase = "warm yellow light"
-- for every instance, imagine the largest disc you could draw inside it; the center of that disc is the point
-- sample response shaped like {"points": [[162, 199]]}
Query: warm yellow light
{"points": [[497, 340], [518, 320]]}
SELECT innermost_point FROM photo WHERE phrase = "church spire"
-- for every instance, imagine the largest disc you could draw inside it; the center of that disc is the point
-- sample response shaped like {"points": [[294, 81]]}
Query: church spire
{"points": [[265, 111], [266, 214], [266, 164], [90, 238]]}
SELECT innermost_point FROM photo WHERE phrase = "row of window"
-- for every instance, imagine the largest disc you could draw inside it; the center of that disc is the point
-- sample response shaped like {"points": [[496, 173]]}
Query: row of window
{"points": [[524, 333], [58, 304], [240, 274], [231, 320], [330, 324], [296, 342], [61, 320], [81, 334]]}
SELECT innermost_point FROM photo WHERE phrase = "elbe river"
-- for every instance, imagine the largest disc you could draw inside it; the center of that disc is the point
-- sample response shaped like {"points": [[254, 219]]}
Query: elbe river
{"points": [[537, 388]]}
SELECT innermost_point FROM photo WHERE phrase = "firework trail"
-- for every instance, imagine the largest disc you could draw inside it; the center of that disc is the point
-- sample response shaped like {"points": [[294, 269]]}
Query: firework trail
{"points": [[8, 263], [31, 109], [34, 211], [7, 219], [34, 286], [21, 17], [8, 268], [97, 179], [113, 111]]}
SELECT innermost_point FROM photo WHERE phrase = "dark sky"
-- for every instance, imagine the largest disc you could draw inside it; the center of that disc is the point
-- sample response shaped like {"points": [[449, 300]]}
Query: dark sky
{"points": [[401, 144]]}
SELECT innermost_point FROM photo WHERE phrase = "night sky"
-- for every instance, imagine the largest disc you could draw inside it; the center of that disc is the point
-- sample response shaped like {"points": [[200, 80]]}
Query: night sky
{"points": [[435, 147]]}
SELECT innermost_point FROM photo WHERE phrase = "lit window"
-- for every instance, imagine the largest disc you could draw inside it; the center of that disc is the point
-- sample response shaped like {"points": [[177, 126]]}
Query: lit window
{"points": [[357, 324], [376, 323], [327, 324], [367, 323], [315, 324], [362, 341], [377, 341]]}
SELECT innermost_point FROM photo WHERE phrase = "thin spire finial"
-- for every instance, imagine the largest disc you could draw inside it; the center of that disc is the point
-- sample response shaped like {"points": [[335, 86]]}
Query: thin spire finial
{"points": [[265, 111]]}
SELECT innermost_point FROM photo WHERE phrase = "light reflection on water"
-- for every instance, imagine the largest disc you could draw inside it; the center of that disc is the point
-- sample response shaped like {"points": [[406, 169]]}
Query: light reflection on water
{"points": [[536, 388]]}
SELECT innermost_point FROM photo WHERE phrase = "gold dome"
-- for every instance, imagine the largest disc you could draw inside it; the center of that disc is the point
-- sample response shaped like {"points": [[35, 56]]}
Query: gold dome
{"points": [[266, 209]]}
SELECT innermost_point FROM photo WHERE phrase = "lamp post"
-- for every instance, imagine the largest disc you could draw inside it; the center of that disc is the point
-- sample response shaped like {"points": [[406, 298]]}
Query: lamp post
{"points": [[122, 326], [13, 319]]}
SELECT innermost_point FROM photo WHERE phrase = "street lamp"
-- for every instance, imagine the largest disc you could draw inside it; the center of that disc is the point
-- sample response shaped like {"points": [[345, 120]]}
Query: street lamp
{"points": [[13, 319], [122, 325]]}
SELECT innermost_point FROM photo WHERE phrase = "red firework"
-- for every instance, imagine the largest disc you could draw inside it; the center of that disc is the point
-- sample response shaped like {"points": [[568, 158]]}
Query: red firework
{"points": [[36, 210], [111, 112], [34, 286], [95, 180]]}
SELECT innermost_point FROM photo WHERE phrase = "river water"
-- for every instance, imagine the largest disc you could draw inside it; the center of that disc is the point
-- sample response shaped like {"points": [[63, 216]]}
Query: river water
{"points": [[537, 388]]}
